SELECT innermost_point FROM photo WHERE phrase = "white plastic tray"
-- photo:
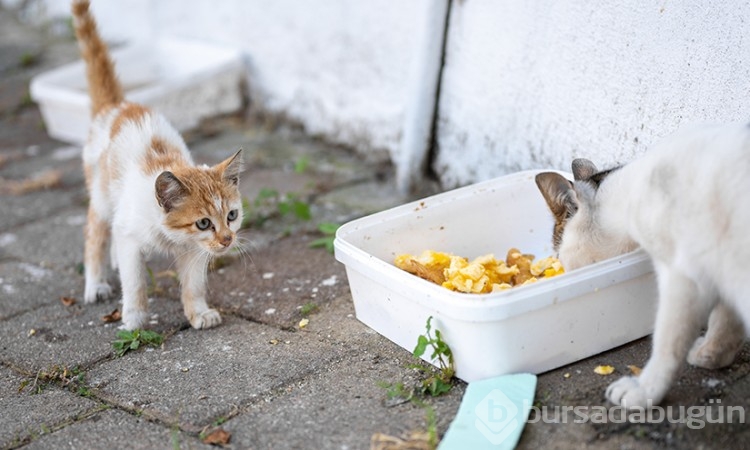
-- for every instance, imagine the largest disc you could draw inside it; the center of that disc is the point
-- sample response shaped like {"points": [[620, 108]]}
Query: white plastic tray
{"points": [[186, 81], [533, 328]]}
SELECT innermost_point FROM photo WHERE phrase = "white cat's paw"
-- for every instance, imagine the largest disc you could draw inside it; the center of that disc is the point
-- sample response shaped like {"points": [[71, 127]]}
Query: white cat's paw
{"points": [[206, 319], [628, 392], [133, 319], [710, 355], [96, 291]]}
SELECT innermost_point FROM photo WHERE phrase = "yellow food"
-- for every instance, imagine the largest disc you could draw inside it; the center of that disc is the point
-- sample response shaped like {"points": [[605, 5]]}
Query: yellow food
{"points": [[604, 370], [483, 275]]}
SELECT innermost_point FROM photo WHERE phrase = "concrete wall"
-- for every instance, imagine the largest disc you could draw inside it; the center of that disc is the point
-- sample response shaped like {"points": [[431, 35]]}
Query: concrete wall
{"points": [[526, 84], [531, 84]]}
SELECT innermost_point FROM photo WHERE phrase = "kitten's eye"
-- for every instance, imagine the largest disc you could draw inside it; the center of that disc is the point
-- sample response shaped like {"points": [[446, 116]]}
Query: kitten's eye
{"points": [[232, 215], [203, 224]]}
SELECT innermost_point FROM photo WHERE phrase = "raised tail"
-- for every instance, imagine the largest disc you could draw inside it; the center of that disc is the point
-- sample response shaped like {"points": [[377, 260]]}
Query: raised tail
{"points": [[105, 89]]}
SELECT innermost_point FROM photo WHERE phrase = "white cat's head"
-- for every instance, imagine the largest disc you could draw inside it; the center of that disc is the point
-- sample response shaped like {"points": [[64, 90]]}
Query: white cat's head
{"points": [[579, 235], [202, 205]]}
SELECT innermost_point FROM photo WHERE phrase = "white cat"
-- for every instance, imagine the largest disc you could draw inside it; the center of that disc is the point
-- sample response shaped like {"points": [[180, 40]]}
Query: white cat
{"points": [[147, 195], [686, 203]]}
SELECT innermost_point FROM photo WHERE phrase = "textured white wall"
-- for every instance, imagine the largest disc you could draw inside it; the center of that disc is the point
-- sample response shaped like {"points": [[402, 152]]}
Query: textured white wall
{"points": [[532, 84], [339, 67]]}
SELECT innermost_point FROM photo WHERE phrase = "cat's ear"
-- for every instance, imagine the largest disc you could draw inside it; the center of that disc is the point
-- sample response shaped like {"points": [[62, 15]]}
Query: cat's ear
{"points": [[231, 168], [169, 190], [559, 194], [583, 169]]}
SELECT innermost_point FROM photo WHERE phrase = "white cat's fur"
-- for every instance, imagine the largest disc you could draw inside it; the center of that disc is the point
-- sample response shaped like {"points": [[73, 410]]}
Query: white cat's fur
{"points": [[686, 203]]}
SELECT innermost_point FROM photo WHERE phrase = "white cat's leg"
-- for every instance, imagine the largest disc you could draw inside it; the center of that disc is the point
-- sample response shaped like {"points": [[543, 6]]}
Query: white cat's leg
{"points": [[680, 315], [97, 234], [722, 342], [133, 280], [113, 253], [192, 269]]}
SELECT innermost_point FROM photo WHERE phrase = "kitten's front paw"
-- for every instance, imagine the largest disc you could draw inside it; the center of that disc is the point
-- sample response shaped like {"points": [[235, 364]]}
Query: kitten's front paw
{"points": [[133, 319], [710, 355], [206, 319], [96, 291], [628, 392]]}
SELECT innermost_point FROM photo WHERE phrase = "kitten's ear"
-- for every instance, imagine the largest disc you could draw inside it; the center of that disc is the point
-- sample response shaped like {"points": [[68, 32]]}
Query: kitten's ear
{"points": [[559, 194], [169, 190], [231, 168], [583, 169]]}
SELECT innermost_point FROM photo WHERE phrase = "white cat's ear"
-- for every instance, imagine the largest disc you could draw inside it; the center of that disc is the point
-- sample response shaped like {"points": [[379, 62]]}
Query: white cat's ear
{"points": [[232, 167], [559, 194], [169, 190], [583, 169]]}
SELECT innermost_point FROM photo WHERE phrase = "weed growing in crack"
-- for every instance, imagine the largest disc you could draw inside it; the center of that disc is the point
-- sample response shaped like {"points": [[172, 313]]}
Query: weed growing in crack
{"points": [[328, 230], [440, 382], [436, 383], [69, 378], [133, 340], [308, 308], [269, 203]]}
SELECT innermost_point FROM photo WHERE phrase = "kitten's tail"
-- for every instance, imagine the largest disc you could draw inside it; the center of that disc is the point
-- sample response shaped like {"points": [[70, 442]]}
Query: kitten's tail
{"points": [[104, 87]]}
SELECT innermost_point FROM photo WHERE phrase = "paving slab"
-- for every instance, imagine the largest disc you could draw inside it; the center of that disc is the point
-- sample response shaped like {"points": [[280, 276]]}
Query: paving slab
{"points": [[118, 429], [28, 412], [578, 385], [272, 285], [73, 335], [54, 242], [277, 146], [52, 155], [25, 286], [199, 376], [17, 210], [340, 408]]}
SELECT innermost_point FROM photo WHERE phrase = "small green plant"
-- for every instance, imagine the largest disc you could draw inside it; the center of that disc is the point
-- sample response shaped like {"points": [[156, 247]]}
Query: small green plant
{"points": [[432, 430], [26, 100], [308, 308], [397, 392], [440, 382], [246, 216], [300, 166], [175, 437], [27, 59], [270, 202], [437, 382], [329, 234], [133, 340], [61, 375]]}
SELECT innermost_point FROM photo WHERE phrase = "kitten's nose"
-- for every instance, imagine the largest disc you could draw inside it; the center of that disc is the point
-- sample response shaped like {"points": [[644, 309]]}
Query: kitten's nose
{"points": [[226, 240]]}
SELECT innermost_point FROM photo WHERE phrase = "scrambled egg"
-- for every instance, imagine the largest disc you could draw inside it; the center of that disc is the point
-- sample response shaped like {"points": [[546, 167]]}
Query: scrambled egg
{"points": [[482, 275]]}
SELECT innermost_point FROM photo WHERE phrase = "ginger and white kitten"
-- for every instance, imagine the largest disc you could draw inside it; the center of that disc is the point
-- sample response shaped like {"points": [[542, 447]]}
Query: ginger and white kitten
{"points": [[686, 204], [147, 195]]}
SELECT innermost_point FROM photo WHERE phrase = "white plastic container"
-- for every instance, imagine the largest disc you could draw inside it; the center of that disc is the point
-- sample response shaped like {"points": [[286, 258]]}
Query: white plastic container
{"points": [[533, 328], [186, 81]]}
